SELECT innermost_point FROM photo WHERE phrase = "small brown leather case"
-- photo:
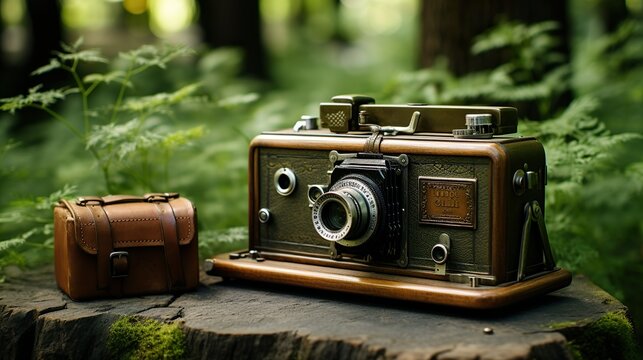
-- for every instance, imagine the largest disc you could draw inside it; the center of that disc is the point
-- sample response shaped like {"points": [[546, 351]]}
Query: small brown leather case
{"points": [[123, 245]]}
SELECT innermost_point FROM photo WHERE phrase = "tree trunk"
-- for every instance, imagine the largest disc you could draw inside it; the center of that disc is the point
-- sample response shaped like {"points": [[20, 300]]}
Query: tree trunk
{"points": [[612, 13], [450, 26], [235, 24], [45, 35]]}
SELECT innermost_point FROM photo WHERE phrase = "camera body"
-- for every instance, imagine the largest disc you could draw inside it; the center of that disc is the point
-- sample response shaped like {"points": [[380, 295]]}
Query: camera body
{"points": [[417, 202]]}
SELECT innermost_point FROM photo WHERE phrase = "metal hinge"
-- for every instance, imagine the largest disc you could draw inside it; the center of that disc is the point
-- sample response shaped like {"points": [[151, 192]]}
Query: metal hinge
{"points": [[250, 254]]}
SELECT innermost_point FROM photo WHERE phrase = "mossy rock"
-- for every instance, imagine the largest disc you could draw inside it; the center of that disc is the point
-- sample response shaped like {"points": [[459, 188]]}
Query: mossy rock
{"points": [[609, 337], [133, 338]]}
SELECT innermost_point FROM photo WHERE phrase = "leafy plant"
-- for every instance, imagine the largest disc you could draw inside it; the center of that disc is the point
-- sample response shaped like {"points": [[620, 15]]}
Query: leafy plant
{"points": [[29, 222], [534, 72], [122, 140], [585, 162]]}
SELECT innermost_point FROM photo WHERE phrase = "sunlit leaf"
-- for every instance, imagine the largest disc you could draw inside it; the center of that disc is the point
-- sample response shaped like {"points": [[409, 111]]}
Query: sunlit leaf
{"points": [[149, 56], [53, 64], [113, 76], [83, 55], [161, 100], [182, 137]]}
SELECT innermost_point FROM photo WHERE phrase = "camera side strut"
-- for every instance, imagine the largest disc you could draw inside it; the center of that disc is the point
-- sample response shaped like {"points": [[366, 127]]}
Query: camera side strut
{"points": [[533, 213]]}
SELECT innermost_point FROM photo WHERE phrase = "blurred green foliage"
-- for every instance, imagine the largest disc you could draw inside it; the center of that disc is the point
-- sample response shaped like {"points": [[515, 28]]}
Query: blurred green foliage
{"points": [[535, 75]]}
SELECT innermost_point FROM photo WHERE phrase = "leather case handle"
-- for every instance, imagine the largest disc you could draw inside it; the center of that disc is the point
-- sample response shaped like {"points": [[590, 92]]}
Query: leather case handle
{"points": [[125, 199]]}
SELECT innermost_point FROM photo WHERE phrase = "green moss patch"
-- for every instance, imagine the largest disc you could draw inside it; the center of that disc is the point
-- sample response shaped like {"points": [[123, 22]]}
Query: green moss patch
{"points": [[132, 338], [610, 337]]}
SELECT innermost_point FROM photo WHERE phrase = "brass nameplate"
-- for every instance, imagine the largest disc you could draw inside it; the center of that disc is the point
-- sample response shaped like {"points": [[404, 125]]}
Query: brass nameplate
{"points": [[447, 201]]}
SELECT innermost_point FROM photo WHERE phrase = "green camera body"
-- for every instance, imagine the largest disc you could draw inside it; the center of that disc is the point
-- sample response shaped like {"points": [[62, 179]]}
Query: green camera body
{"points": [[417, 202]]}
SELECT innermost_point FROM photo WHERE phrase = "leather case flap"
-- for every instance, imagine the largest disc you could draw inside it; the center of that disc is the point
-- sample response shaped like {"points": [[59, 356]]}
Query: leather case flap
{"points": [[134, 221]]}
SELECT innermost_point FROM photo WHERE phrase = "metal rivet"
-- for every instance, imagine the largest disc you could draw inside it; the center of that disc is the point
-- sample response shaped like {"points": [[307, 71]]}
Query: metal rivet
{"points": [[264, 215]]}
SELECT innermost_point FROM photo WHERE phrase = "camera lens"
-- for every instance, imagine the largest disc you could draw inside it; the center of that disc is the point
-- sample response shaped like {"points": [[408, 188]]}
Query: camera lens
{"points": [[347, 213], [334, 215]]}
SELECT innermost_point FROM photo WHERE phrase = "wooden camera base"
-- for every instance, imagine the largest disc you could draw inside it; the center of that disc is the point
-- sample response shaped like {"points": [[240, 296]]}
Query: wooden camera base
{"points": [[386, 285]]}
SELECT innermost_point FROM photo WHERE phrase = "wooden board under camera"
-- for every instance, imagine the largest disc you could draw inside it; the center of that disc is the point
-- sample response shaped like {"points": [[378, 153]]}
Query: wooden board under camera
{"points": [[387, 285]]}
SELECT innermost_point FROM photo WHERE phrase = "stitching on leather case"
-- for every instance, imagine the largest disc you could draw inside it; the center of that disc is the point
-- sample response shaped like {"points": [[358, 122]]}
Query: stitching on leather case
{"points": [[82, 234], [183, 218], [189, 236], [132, 220], [137, 241]]}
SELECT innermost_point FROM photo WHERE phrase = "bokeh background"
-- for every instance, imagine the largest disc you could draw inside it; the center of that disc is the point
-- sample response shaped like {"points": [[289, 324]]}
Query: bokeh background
{"points": [[165, 95]]}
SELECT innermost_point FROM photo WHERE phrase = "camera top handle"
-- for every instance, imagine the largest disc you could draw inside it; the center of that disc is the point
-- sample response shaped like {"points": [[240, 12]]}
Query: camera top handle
{"points": [[355, 112]]}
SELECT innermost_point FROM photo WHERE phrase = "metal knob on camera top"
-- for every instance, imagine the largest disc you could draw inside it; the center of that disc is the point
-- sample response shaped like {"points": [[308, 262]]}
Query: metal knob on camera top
{"points": [[479, 126]]}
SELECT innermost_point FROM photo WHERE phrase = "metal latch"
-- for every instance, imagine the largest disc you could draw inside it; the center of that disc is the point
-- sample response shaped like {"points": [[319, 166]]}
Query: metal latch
{"points": [[389, 130]]}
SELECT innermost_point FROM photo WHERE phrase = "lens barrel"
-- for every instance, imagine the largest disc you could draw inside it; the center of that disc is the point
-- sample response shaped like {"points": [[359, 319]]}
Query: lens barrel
{"points": [[347, 213]]}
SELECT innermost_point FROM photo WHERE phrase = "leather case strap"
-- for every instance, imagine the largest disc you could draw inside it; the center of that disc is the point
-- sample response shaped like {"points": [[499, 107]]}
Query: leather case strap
{"points": [[171, 245], [104, 245]]}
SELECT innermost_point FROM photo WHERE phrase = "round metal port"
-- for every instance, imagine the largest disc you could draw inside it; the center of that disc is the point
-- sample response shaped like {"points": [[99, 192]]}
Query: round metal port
{"points": [[439, 253], [285, 181]]}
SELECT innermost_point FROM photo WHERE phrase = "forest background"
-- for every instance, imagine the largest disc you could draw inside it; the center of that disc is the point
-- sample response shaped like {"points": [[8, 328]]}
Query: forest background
{"points": [[165, 95]]}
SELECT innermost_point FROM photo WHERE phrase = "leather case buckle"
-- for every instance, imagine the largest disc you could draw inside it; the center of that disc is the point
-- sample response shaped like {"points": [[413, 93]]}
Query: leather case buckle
{"points": [[160, 197], [82, 201], [119, 264]]}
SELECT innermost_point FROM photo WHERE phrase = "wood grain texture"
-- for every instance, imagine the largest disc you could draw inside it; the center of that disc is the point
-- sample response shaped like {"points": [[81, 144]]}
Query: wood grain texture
{"points": [[389, 285]]}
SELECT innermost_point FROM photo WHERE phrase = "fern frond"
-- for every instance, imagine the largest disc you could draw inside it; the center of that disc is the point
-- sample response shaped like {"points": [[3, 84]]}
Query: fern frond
{"points": [[9, 243], [35, 97], [117, 76], [182, 137], [53, 64], [90, 55], [149, 56], [160, 100], [513, 34]]}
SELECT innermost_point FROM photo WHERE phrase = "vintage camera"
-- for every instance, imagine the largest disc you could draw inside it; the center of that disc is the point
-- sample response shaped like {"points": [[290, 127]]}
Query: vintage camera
{"points": [[417, 202]]}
